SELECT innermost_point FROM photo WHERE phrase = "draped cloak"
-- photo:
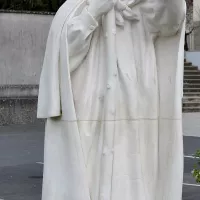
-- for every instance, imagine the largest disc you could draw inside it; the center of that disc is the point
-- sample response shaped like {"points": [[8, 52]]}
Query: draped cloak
{"points": [[131, 149]]}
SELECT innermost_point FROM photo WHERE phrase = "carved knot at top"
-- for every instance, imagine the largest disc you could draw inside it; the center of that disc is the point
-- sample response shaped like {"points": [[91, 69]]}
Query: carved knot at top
{"points": [[123, 11]]}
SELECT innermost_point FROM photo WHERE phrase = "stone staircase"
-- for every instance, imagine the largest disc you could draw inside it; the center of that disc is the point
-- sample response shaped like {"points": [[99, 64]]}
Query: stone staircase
{"points": [[191, 98]]}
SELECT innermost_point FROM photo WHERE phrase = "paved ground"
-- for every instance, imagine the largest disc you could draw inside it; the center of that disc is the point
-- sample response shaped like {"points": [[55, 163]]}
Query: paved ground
{"points": [[21, 151], [21, 147]]}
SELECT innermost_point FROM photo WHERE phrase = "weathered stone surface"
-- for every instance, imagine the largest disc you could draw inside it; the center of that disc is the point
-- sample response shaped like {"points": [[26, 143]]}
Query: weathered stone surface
{"points": [[197, 36], [23, 41], [189, 18], [18, 91], [18, 111]]}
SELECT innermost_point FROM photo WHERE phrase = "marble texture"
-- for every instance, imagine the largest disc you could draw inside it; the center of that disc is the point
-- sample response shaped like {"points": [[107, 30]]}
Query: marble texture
{"points": [[111, 90]]}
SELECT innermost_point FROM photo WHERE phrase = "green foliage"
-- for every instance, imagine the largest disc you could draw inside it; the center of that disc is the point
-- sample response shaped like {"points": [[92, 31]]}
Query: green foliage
{"points": [[53, 5], [31, 5], [196, 170]]}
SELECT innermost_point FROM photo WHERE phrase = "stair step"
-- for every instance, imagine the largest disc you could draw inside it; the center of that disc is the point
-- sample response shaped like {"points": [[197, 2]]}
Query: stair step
{"points": [[191, 90], [191, 81], [191, 104], [196, 76], [190, 68], [189, 85], [187, 63], [191, 109], [191, 72], [191, 98], [193, 94]]}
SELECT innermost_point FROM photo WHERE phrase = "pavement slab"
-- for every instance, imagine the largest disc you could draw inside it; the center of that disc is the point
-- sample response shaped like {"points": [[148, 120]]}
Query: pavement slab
{"points": [[21, 158]]}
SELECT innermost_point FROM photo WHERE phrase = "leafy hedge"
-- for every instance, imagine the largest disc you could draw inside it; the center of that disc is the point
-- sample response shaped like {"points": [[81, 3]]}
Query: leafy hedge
{"points": [[196, 170], [31, 5]]}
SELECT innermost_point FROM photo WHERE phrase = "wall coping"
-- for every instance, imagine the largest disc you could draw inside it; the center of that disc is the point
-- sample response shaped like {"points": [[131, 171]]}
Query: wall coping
{"points": [[25, 86], [193, 51], [19, 91], [27, 12]]}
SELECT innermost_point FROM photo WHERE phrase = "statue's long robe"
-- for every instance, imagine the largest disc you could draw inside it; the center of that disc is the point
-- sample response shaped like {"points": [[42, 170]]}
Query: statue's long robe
{"points": [[131, 149]]}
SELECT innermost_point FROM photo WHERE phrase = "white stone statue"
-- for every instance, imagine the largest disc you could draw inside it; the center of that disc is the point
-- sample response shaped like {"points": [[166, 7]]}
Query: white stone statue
{"points": [[111, 90]]}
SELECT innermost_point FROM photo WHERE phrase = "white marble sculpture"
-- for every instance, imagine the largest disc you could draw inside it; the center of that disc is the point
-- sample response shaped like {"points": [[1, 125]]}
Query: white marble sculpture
{"points": [[111, 90]]}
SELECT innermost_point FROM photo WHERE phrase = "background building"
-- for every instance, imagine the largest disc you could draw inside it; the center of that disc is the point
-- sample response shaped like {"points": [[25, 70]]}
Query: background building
{"points": [[193, 32], [196, 22]]}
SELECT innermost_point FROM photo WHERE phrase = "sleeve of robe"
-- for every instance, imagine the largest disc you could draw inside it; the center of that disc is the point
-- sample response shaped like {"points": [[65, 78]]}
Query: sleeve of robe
{"points": [[80, 29], [78, 35], [164, 17]]}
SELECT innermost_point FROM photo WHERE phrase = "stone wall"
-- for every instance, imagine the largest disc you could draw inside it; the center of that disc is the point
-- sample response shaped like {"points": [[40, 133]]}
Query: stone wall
{"points": [[196, 13], [189, 16], [196, 34], [193, 23], [22, 41], [22, 47]]}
